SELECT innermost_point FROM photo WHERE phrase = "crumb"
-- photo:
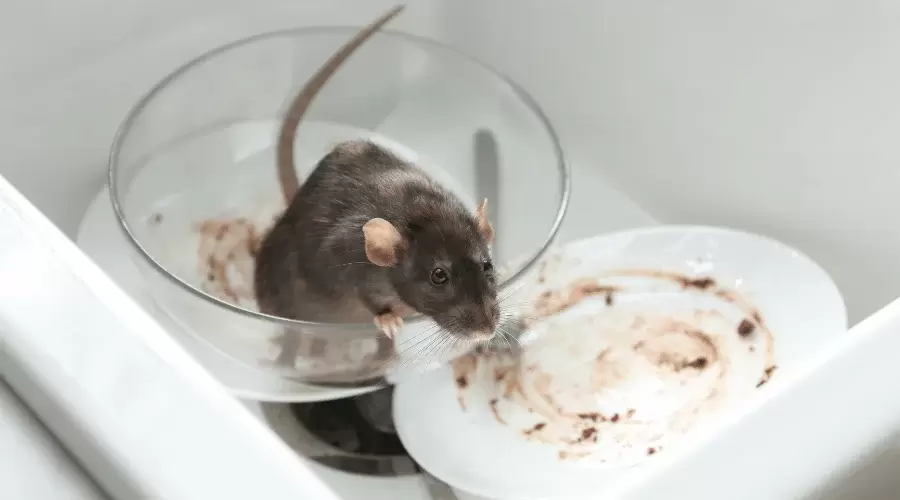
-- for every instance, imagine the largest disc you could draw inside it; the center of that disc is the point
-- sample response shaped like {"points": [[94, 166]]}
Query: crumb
{"points": [[156, 219], [609, 298], [698, 283], [221, 232], [587, 433], [537, 428], [745, 328], [699, 363], [462, 382], [651, 451], [594, 416], [631, 412], [493, 404], [615, 418]]}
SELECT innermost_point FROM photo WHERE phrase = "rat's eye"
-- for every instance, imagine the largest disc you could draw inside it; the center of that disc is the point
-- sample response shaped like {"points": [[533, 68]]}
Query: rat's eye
{"points": [[439, 276], [488, 265]]}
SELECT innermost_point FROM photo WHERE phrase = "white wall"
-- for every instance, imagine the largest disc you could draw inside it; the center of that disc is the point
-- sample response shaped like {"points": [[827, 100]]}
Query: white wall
{"points": [[780, 116]]}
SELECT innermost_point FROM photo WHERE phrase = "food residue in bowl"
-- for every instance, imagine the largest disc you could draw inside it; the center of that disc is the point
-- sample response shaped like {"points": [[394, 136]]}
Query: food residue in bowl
{"points": [[226, 252], [617, 384], [226, 257]]}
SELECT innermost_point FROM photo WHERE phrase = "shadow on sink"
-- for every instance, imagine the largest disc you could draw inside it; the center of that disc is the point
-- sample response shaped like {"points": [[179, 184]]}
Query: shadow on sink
{"points": [[875, 476]]}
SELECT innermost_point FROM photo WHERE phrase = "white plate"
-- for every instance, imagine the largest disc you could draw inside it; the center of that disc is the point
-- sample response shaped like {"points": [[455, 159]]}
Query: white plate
{"points": [[483, 449]]}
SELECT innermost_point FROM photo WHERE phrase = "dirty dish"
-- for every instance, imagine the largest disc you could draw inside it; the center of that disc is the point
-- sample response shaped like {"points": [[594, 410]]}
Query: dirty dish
{"points": [[633, 342]]}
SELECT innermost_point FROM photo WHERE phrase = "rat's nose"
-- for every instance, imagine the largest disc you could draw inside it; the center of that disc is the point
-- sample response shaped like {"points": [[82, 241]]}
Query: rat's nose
{"points": [[483, 334], [491, 313]]}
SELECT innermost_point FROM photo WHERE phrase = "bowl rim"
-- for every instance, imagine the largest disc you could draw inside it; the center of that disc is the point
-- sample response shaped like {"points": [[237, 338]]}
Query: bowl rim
{"points": [[136, 110]]}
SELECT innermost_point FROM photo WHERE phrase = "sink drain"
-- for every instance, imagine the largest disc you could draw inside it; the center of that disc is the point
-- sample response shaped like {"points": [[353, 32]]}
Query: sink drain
{"points": [[353, 435]]}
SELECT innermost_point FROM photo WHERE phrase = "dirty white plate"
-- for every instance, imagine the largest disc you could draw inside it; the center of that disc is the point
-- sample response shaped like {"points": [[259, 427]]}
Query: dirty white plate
{"points": [[667, 329]]}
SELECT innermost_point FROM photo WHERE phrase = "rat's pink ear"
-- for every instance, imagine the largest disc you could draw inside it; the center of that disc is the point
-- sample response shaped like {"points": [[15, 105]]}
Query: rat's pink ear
{"points": [[384, 244], [484, 225]]}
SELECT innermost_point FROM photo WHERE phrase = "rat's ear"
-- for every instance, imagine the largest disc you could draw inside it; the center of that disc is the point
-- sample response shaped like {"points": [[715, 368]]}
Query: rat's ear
{"points": [[384, 244], [484, 225]]}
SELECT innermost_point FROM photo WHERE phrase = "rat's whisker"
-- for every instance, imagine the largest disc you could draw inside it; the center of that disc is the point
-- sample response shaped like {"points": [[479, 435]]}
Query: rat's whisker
{"points": [[504, 338], [436, 340], [509, 335], [446, 343], [429, 331], [510, 292], [419, 340], [428, 339]]}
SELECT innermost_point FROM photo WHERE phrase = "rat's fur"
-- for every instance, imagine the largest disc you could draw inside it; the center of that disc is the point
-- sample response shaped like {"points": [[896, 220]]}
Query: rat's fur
{"points": [[313, 263]]}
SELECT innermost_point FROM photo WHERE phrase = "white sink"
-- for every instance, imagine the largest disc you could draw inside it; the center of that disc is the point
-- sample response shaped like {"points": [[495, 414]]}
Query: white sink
{"points": [[771, 117]]}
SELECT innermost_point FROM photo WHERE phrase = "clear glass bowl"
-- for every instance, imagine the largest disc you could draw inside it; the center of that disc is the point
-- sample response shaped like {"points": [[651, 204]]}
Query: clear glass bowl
{"points": [[193, 180]]}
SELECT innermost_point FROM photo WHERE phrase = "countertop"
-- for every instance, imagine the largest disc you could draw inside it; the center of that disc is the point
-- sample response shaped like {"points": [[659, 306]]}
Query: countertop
{"points": [[33, 465]]}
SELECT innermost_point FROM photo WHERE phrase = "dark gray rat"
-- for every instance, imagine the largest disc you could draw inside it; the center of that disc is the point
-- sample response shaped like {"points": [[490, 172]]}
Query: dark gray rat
{"points": [[370, 235]]}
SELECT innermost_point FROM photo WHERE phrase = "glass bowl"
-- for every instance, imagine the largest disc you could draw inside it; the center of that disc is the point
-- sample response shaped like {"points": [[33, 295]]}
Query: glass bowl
{"points": [[193, 181]]}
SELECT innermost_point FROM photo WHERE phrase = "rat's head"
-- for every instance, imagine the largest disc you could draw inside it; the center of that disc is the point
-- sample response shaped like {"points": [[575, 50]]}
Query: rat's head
{"points": [[441, 266]]}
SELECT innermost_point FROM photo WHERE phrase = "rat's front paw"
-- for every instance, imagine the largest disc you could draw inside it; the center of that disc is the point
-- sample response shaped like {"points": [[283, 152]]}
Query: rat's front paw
{"points": [[389, 323]]}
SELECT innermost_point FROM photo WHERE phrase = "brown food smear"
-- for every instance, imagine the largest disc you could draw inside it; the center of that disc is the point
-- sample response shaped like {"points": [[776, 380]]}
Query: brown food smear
{"points": [[537, 428], [698, 283], [766, 375], [551, 302], [246, 239], [565, 455], [699, 363], [496, 413]]}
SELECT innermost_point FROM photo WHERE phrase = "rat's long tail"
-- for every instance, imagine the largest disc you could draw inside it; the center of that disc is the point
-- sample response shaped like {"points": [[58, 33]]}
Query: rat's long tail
{"points": [[287, 174]]}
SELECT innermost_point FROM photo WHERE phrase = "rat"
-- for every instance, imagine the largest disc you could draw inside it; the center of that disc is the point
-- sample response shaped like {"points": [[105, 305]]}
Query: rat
{"points": [[371, 235]]}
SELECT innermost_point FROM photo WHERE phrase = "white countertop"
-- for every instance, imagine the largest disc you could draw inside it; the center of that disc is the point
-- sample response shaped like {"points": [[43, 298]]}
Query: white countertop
{"points": [[33, 464]]}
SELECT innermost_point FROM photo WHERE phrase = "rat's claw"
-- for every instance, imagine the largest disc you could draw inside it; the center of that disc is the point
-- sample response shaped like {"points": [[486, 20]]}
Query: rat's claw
{"points": [[389, 323]]}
